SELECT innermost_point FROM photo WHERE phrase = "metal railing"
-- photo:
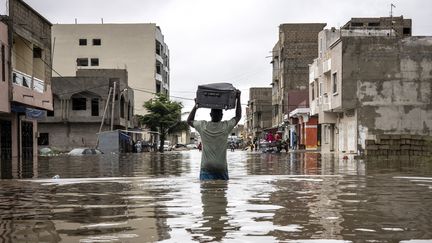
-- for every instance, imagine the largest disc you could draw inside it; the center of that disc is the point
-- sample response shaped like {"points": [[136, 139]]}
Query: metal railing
{"points": [[25, 80]]}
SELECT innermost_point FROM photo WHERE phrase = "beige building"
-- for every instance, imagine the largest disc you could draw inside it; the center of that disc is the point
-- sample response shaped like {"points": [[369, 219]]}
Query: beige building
{"points": [[369, 80], [138, 48], [25, 86]]}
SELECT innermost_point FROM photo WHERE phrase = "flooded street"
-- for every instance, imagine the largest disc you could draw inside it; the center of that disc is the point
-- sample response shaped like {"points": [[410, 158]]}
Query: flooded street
{"points": [[269, 198]]}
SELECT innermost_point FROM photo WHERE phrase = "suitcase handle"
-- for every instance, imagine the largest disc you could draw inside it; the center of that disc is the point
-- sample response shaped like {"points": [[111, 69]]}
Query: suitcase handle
{"points": [[214, 94]]}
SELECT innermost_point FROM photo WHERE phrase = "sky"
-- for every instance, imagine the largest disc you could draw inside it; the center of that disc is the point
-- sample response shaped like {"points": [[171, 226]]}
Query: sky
{"points": [[226, 40]]}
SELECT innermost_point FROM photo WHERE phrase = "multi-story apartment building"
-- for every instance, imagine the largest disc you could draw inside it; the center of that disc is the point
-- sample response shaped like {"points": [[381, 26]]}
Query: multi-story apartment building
{"points": [[25, 85], [259, 114], [138, 48], [370, 79], [295, 50], [83, 107]]}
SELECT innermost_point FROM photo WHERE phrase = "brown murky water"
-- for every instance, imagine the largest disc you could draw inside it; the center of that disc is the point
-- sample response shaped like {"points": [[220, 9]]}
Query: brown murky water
{"points": [[269, 198]]}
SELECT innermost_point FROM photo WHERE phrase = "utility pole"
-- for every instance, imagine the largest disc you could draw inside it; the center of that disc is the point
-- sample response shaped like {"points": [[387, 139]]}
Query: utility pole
{"points": [[112, 106], [391, 9], [106, 107]]}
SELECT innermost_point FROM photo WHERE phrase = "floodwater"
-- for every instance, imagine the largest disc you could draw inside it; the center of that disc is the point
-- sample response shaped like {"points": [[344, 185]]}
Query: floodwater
{"points": [[296, 197]]}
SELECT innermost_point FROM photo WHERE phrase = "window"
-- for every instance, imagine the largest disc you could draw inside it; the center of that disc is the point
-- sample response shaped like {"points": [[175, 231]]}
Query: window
{"points": [[407, 31], [376, 24], [94, 61], [97, 42], [95, 107], [82, 62], [275, 110], [320, 47], [158, 87], [82, 42], [356, 24], [79, 104], [159, 48], [50, 113], [3, 65], [43, 139], [158, 67], [334, 77], [37, 52]]}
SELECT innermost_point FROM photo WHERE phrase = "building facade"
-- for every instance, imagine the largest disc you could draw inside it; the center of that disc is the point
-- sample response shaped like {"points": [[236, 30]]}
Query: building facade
{"points": [[259, 114], [83, 107], [25, 85], [369, 82], [296, 48], [138, 48]]}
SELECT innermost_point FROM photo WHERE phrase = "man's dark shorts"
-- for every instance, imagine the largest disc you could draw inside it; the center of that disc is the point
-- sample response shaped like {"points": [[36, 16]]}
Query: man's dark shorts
{"points": [[206, 175]]}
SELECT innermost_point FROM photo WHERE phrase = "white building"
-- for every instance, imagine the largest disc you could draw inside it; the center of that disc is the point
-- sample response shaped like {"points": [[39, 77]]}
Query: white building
{"points": [[139, 48]]}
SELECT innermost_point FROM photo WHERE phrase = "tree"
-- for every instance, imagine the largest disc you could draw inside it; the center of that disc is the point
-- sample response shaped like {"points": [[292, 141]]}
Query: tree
{"points": [[164, 116]]}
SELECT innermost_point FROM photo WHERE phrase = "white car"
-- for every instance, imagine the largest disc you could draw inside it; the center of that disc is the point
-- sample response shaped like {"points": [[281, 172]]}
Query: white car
{"points": [[191, 146], [84, 151]]}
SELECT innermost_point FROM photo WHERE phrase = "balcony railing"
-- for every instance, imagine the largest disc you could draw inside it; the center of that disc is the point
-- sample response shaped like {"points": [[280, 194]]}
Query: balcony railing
{"points": [[25, 80], [158, 77]]}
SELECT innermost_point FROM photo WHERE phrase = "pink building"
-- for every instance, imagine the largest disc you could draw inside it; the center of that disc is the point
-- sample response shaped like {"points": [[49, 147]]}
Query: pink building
{"points": [[25, 86]]}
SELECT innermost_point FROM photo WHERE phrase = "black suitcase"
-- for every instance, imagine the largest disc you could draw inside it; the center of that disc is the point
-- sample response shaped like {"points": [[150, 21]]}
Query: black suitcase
{"points": [[217, 96]]}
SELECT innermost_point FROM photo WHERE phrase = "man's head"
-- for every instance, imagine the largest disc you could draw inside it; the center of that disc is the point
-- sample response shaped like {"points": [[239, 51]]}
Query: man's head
{"points": [[216, 115]]}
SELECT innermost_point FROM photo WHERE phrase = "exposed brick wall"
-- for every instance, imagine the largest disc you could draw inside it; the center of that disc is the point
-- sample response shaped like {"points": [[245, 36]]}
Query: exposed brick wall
{"points": [[401, 144]]}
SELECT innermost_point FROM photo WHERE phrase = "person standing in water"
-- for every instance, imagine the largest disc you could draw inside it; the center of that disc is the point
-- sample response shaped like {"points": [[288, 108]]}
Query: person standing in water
{"points": [[214, 136]]}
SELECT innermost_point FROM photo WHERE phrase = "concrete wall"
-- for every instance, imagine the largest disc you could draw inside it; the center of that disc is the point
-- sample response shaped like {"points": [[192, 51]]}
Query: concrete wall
{"points": [[389, 82], [124, 46], [66, 136], [4, 69]]}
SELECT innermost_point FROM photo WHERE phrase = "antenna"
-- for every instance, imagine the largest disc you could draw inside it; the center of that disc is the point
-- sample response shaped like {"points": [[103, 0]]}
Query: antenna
{"points": [[391, 9]]}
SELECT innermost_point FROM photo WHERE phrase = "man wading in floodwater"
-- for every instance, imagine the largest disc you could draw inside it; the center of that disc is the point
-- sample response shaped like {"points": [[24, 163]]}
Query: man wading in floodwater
{"points": [[214, 137]]}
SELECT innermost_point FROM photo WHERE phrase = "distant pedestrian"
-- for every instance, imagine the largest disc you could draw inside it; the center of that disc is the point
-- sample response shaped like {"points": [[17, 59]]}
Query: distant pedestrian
{"points": [[294, 140]]}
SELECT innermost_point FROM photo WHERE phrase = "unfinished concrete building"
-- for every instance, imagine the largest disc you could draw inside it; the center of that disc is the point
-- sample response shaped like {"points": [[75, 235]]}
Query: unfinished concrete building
{"points": [[295, 50], [79, 108], [370, 85], [259, 114]]}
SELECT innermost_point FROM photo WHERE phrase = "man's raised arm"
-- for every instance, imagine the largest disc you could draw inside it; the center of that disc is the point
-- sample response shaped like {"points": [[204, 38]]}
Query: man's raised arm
{"points": [[191, 116]]}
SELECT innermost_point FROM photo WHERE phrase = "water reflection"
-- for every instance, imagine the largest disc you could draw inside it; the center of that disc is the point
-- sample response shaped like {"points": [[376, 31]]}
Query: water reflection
{"points": [[213, 224], [269, 198]]}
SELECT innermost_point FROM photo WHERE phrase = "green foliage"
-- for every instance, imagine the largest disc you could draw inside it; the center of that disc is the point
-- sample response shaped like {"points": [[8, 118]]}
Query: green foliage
{"points": [[164, 116]]}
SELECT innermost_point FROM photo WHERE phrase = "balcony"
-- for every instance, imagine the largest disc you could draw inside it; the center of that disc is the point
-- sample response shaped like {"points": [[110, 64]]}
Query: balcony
{"points": [[158, 77], [327, 66], [31, 91], [25, 80]]}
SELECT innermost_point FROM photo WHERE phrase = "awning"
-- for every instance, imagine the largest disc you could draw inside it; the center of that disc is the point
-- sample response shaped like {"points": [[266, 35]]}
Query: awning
{"points": [[31, 113]]}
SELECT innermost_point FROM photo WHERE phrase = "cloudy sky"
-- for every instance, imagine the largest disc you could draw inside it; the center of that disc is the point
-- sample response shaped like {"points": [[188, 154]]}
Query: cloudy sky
{"points": [[226, 40]]}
